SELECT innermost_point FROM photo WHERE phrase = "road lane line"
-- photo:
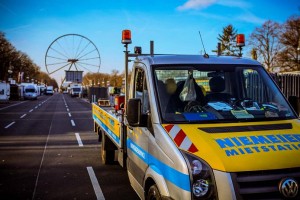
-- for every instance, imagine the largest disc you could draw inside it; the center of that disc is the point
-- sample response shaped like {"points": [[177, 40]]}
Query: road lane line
{"points": [[72, 122], [68, 109], [79, 139], [36, 107], [95, 183], [9, 125], [69, 114], [42, 160], [31, 110], [23, 116]]}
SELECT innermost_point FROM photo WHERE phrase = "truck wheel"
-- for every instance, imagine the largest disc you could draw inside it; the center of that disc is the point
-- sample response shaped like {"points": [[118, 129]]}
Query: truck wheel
{"points": [[108, 155], [99, 132], [153, 193]]}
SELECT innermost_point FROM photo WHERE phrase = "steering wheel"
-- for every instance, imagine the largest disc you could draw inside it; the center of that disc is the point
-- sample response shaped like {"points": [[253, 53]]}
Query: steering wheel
{"points": [[193, 106]]}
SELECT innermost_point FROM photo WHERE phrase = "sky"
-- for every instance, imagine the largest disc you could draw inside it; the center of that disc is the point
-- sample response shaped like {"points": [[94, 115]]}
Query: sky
{"points": [[174, 25]]}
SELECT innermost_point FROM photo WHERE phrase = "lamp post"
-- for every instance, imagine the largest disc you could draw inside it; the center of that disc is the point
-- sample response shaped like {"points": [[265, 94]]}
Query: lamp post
{"points": [[123, 85], [298, 51], [10, 71]]}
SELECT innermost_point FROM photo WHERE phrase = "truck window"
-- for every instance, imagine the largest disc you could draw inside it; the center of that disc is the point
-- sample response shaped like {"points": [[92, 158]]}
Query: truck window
{"points": [[140, 89], [226, 93], [255, 86]]}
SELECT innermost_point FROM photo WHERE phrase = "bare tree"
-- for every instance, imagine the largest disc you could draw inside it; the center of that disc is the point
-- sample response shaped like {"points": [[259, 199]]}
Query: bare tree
{"points": [[289, 56], [265, 40], [19, 63], [6, 52], [114, 77]]}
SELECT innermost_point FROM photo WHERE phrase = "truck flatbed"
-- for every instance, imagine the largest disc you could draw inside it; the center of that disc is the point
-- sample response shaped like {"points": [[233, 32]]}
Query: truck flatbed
{"points": [[109, 121]]}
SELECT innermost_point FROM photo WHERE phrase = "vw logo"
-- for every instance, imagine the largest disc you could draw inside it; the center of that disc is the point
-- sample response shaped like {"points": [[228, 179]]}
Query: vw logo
{"points": [[288, 187]]}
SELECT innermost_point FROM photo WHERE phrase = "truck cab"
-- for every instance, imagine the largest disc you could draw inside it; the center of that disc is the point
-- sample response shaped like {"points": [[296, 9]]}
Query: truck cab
{"points": [[205, 128], [75, 90]]}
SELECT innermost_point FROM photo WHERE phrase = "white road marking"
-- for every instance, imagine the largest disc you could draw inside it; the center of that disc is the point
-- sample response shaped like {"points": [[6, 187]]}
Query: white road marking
{"points": [[72, 122], [9, 125], [69, 114], [68, 109], [23, 116], [96, 186], [35, 107], [42, 160], [79, 139], [31, 110]]}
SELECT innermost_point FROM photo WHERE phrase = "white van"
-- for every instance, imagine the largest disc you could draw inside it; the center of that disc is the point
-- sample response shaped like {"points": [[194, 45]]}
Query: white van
{"points": [[4, 91], [30, 92], [49, 90]]}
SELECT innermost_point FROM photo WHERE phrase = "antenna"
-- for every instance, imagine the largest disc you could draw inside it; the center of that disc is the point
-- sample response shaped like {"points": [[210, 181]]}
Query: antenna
{"points": [[205, 54]]}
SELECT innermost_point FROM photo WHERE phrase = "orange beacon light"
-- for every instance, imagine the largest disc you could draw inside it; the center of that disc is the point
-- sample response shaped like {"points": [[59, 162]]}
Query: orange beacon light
{"points": [[126, 37], [240, 40]]}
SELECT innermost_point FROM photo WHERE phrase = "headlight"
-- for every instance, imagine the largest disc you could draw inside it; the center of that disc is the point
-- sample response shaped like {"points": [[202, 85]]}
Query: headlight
{"points": [[202, 182]]}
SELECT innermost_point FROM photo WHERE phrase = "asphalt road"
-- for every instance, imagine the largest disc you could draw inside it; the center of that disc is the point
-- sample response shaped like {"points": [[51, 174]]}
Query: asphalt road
{"points": [[48, 150]]}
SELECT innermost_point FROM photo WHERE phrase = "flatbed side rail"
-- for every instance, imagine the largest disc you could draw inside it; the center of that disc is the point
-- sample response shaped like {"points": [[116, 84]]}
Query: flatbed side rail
{"points": [[109, 122]]}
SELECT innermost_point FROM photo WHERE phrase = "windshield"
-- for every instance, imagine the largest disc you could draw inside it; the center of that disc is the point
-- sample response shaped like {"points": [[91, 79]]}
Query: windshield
{"points": [[214, 93], [76, 89], [27, 90]]}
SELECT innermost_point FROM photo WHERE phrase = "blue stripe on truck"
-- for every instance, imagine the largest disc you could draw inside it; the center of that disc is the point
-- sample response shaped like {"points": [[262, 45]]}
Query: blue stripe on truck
{"points": [[106, 129], [178, 178]]}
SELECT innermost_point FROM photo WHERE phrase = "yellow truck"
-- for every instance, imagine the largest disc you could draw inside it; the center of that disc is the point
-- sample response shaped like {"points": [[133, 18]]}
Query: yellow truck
{"points": [[238, 140]]}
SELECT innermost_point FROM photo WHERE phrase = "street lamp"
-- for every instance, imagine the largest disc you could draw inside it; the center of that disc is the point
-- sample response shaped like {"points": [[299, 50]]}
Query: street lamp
{"points": [[10, 71], [298, 51]]}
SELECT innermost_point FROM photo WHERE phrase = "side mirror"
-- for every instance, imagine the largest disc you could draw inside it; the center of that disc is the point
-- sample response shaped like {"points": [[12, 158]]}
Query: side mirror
{"points": [[294, 103], [133, 112]]}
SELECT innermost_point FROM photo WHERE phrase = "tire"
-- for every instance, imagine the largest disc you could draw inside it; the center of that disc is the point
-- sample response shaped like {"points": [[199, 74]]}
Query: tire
{"points": [[153, 193], [107, 155]]}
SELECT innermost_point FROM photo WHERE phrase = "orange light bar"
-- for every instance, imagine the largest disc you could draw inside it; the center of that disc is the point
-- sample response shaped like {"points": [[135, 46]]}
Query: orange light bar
{"points": [[126, 37], [240, 40]]}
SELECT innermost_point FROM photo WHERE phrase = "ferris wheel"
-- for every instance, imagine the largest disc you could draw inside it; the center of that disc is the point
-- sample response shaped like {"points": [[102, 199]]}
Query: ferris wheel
{"points": [[72, 52]]}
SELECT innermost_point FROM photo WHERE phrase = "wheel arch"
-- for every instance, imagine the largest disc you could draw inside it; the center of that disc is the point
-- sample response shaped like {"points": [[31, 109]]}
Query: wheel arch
{"points": [[154, 176]]}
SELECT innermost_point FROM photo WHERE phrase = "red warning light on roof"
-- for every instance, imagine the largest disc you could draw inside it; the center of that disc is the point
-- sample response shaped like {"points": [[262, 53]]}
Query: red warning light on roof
{"points": [[240, 40], [126, 37]]}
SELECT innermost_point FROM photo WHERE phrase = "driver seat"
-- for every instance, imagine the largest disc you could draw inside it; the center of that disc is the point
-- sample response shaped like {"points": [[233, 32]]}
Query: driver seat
{"points": [[217, 86]]}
